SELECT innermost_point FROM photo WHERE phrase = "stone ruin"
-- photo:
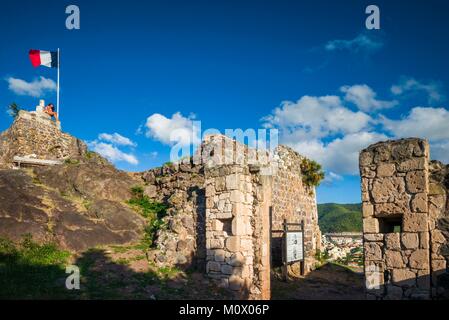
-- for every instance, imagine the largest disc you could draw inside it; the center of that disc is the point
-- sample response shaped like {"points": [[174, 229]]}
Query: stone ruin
{"points": [[405, 221], [226, 204], [34, 135], [225, 213]]}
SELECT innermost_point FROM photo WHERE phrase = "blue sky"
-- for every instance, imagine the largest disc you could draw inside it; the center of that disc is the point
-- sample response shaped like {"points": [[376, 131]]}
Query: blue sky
{"points": [[307, 68]]}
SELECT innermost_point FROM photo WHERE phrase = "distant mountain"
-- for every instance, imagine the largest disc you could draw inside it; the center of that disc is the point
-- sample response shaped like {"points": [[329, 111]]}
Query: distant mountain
{"points": [[335, 217]]}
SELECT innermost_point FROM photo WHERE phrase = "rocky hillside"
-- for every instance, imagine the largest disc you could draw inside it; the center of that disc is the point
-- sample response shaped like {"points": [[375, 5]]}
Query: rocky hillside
{"points": [[78, 205]]}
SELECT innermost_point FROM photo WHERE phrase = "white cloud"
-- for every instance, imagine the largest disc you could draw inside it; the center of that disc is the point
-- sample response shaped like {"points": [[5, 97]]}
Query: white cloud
{"points": [[340, 155], [360, 43], [316, 117], [175, 130], [116, 139], [331, 177], [36, 88], [112, 153], [365, 98], [411, 85], [429, 123]]}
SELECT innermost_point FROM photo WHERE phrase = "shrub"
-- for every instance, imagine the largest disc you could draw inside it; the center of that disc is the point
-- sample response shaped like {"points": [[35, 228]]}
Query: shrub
{"points": [[13, 110], [152, 211], [312, 173]]}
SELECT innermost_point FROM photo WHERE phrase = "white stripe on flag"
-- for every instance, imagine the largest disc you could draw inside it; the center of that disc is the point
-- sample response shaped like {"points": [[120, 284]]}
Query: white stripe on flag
{"points": [[45, 58]]}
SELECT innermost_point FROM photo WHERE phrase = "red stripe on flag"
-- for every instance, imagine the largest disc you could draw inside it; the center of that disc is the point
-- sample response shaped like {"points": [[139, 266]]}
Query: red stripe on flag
{"points": [[35, 57]]}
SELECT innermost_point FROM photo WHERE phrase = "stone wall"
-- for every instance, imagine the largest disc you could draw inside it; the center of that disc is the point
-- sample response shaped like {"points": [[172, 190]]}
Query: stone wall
{"points": [[220, 204], [439, 228], [296, 202], [401, 215], [34, 133], [181, 188]]}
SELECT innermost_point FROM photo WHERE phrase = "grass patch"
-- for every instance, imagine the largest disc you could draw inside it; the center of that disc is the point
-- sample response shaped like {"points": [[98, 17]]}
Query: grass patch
{"points": [[152, 211], [30, 270]]}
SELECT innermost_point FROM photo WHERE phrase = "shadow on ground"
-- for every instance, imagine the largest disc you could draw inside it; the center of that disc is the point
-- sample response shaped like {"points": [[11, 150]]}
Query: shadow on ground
{"points": [[329, 282], [101, 278]]}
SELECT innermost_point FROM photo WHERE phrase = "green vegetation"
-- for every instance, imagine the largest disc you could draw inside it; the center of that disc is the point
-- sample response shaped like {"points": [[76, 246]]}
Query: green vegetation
{"points": [[312, 173], [13, 110], [151, 210], [333, 217], [72, 161], [30, 270]]}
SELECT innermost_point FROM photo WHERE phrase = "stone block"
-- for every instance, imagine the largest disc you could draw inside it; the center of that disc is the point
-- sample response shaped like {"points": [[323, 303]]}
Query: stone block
{"points": [[394, 259], [437, 236], [419, 259], [213, 266], [220, 184], [368, 210], [227, 269], [370, 225], [215, 244], [373, 251], [233, 243], [232, 182], [239, 226], [419, 203], [220, 255], [414, 222], [386, 170], [392, 241], [412, 165], [237, 196], [403, 277], [366, 158], [217, 225], [237, 260], [410, 240], [387, 189], [416, 181]]}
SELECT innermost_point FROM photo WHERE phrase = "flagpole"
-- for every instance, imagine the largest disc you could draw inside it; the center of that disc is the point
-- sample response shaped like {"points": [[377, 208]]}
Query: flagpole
{"points": [[57, 91]]}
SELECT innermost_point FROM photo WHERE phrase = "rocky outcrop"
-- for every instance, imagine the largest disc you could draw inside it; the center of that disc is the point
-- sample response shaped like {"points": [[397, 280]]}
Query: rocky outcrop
{"points": [[78, 205], [74, 221]]}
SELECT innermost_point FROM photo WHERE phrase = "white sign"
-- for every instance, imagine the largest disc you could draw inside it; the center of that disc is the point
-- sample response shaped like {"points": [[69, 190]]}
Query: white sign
{"points": [[294, 246]]}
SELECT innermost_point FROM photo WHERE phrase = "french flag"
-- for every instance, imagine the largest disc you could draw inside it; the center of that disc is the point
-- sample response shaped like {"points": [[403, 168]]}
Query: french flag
{"points": [[44, 58]]}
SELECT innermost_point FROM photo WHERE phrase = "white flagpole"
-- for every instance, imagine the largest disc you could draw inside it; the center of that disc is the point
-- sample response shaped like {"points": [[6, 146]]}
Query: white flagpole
{"points": [[57, 91]]}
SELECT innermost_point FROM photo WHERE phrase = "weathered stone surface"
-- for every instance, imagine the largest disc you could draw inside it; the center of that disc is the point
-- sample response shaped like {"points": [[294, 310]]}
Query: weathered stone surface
{"points": [[419, 203], [416, 181], [419, 259], [386, 170], [367, 210], [388, 189], [233, 243], [403, 277], [392, 241], [370, 225], [414, 222], [394, 259], [213, 266], [410, 240], [412, 165], [373, 251]]}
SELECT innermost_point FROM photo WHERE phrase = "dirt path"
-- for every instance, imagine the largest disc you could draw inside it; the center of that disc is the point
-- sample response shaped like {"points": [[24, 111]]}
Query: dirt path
{"points": [[330, 282]]}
